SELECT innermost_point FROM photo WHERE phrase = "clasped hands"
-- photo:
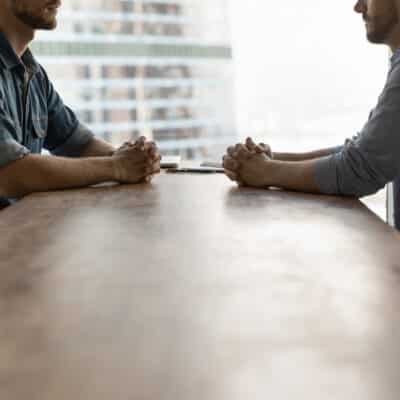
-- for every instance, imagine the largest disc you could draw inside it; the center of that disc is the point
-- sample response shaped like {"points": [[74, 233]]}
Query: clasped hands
{"points": [[136, 162], [249, 164]]}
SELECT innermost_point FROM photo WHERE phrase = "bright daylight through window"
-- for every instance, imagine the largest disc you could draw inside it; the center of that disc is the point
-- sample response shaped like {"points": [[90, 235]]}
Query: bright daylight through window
{"points": [[197, 76]]}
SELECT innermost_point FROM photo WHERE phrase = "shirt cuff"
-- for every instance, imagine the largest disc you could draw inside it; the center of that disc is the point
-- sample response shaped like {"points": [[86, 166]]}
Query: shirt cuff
{"points": [[326, 175], [11, 150], [75, 144]]}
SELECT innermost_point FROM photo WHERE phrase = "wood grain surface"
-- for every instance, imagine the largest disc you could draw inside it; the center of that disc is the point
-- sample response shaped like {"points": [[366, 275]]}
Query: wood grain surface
{"points": [[192, 289]]}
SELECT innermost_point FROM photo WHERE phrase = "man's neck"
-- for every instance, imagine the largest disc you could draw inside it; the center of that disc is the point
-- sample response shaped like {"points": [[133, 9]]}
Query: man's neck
{"points": [[394, 46], [394, 39], [18, 34]]}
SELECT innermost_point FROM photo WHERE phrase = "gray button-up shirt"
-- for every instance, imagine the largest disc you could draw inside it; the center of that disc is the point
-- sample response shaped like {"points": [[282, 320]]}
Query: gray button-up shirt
{"points": [[32, 114], [370, 160]]}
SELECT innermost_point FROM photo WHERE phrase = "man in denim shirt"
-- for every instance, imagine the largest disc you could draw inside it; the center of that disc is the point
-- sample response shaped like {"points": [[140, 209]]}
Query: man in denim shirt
{"points": [[33, 116], [365, 163]]}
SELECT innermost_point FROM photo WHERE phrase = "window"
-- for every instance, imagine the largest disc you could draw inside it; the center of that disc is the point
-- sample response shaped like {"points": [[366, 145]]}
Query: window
{"points": [[306, 77], [159, 68], [198, 75]]}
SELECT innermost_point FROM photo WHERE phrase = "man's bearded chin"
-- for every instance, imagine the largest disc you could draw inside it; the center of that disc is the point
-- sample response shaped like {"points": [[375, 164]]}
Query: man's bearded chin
{"points": [[381, 28], [34, 20]]}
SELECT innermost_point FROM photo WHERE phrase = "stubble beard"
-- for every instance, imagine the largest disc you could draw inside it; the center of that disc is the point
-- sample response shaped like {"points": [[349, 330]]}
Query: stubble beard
{"points": [[381, 27], [35, 19]]}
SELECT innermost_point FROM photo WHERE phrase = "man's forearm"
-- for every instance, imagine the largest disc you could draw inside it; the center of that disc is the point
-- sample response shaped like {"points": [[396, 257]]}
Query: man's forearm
{"points": [[35, 173], [311, 155], [97, 148], [298, 176]]}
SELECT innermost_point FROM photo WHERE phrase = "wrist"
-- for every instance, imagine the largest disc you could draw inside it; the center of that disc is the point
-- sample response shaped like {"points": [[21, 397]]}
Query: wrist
{"points": [[271, 172], [104, 167], [115, 167]]}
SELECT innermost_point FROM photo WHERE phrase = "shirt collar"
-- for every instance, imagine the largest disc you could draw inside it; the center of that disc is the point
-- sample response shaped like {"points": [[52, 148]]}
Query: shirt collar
{"points": [[395, 57], [10, 59]]}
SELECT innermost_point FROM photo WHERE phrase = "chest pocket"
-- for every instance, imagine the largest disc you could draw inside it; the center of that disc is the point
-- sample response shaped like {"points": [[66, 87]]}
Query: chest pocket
{"points": [[38, 115], [39, 126]]}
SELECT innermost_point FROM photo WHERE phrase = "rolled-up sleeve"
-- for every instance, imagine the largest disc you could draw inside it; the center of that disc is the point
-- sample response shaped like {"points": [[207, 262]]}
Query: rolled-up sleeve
{"points": [[10, 149], [66, 135], [75, 143], [371, 160]]}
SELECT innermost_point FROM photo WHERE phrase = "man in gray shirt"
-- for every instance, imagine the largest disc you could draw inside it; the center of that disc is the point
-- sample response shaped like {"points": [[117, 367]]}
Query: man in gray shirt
{"points": [[33, 116], [365, 163]]}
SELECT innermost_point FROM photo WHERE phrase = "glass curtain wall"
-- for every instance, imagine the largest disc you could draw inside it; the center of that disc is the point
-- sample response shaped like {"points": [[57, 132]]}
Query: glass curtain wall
{"points": [[159, 68]]}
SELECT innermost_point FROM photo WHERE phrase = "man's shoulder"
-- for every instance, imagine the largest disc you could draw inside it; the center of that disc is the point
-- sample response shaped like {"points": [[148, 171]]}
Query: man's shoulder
{"points": [[394, 75]]}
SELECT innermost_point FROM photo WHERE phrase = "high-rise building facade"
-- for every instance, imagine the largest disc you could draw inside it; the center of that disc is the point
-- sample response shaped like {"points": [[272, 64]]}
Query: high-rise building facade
{"points": [[159, 68]]}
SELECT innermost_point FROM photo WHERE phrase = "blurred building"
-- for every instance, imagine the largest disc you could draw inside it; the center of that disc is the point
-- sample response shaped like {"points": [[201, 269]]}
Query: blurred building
{"points": [[160, 68]]}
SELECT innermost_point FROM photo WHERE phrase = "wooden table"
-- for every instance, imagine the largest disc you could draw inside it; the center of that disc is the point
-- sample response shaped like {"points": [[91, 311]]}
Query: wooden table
{"points": [[191, 289]]}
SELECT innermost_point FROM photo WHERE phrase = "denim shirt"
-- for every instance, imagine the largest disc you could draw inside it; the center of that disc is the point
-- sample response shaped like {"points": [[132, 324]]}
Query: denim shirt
{"points": [[370, 160], [32, 114]]}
